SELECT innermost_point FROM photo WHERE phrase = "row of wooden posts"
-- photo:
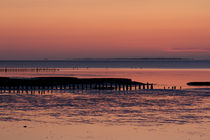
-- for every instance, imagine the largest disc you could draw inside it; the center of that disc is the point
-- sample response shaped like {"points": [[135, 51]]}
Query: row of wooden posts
{"points": [[70, 83], [28, 69], [85, 86]]}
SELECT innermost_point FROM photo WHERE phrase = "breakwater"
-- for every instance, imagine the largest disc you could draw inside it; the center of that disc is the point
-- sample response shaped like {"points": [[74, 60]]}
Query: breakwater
{"points": [[63, 83]]}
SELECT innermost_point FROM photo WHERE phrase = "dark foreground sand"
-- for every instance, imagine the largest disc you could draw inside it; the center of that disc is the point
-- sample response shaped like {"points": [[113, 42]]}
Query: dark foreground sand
{"points": [[97, 115]]}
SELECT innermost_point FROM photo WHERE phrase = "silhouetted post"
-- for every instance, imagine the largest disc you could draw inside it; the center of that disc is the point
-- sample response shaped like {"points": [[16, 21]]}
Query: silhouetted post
{"points": [[86, 85], [91, 86], [22, 90], [103, 85], [139, 86], [143, 86], [115, 86], [106, 85], [119, 87], [147, 85], [82, 86], [63, 86], [111, 85], [152, 87], [126, 86], [98, 85]]}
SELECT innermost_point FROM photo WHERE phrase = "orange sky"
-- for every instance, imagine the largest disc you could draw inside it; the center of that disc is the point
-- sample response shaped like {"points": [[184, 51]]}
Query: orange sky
{"points": [[60, 29]]}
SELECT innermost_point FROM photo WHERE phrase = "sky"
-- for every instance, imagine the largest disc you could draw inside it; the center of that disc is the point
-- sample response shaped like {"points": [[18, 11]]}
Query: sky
{"points": [[63, 29]]}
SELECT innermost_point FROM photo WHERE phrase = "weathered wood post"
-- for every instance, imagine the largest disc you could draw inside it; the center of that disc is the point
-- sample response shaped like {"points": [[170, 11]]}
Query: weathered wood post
{"points": [[152, 86], [130, 86], [74, 86], [119, 87], [124, 86], [77, 85], [115, 86], [82, 86], [96, 85], [111, 85], [99, 86], [139, 86], [127, 86], [86, 85], [91, 86], [143, 86], [147, 85]]}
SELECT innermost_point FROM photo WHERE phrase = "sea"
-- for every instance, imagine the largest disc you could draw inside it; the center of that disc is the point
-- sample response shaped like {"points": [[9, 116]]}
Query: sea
{"points": [[161, 114]]}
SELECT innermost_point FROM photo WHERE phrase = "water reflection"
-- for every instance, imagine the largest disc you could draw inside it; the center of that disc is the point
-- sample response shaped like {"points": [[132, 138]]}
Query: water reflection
{"points": [[142, 108]]}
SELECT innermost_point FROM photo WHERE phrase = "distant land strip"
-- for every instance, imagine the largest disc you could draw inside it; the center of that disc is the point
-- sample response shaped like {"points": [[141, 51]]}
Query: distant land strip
{"points": [[198, 83], [104, 59]]}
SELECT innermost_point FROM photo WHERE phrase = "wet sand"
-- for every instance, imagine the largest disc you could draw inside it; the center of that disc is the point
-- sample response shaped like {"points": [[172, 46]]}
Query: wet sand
{"points": [[157, 114]]}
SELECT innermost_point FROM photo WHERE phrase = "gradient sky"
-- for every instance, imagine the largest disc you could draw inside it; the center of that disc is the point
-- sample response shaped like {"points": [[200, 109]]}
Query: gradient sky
{"points": [[60, 29]]}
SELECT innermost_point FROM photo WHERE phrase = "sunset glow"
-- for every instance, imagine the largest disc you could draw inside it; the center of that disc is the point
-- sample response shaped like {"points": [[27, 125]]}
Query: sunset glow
{"points": [[61, 29]]}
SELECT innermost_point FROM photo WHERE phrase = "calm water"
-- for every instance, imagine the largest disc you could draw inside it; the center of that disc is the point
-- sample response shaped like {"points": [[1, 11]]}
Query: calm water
{"points": [[80, 115]]}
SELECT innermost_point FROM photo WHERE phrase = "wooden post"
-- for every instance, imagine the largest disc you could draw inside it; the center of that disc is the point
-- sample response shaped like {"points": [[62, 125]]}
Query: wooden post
{"points": [[82, 86], [106, 84], [126, 86], [143, 86], [91, 86], [115, 86], [86, 85], [103, 85], [147, 85], [139, 86], [152, 86], [119, 87]]}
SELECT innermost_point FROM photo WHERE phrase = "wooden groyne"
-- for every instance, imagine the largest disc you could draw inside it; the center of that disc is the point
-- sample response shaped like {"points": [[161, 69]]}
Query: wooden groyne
{"points": [[29, 69], [66, 83]]}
